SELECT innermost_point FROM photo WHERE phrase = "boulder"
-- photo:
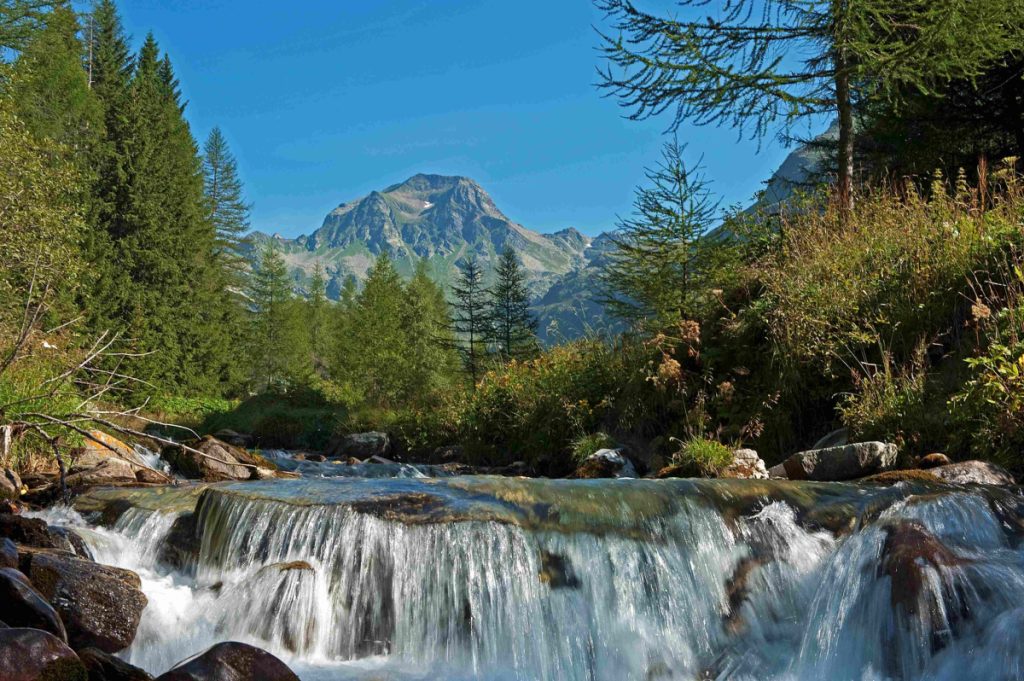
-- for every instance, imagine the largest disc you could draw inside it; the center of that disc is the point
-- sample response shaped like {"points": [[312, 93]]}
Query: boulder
{"points": [[180, 549], [841, 463], [777, 472], [231, 661], [27, 531], [745, 464], [217, 461], [23, 606], [35, 655], [104, 460], [103, 666], [972, 473], [99, 604], [8, 554], [605, 463], [235, 439], [933, 461], [11, 487], [360, 445]]}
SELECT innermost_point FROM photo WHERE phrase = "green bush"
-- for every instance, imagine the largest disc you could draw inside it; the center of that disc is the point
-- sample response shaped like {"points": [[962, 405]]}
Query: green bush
{"points": [[293, 421], [585, 445], [703, 457]]}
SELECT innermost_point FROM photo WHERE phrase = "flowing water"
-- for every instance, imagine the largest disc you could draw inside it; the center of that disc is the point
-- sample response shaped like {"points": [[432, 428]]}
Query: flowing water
{"points": [[510, 579]]}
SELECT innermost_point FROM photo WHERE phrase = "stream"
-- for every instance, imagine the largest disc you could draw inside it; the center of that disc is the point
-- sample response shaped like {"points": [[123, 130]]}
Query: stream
{"points": [[481, 577]]}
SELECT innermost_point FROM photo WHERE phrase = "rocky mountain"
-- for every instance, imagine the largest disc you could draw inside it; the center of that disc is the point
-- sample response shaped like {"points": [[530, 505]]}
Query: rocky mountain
{"points": [[444, 220]]}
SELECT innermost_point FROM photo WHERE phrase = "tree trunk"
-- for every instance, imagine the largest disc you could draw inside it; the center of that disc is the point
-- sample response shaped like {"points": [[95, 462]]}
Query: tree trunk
{"points": [[844, 182]]}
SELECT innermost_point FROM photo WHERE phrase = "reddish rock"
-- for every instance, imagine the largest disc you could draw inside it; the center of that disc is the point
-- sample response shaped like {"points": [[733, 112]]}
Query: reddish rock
{"points": [[35, 655], [231, 661], [23, 606], [909, 551], [933, 460]]}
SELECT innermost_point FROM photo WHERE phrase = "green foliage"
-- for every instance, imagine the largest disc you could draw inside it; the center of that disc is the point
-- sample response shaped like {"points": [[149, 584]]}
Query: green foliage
{"points": [[470, 319], [299, 420], [991, 404], [703, 457], [585, 445], [513, 330], [656, 272], [278, 338]]}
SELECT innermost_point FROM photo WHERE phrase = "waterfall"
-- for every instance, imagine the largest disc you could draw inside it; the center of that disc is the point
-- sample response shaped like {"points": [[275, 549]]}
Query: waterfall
{"points": [[479, 578]]}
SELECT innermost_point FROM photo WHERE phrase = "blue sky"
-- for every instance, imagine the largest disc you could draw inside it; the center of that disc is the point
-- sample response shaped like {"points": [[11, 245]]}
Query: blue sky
{"points": [[323, 101]]}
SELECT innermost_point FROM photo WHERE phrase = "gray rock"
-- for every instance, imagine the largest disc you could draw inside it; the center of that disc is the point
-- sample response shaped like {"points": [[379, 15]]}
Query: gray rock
{"points": [[23, 606], [972, 473], [10, 484], [778, 472], [841, 463], [361, 446], [35, 655], [606, 463], [231, 661], [745, 464], [100, 605], [218, 461]]}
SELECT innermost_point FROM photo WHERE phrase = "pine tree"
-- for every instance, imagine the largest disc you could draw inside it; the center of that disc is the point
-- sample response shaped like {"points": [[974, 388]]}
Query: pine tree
{"points": [[470, 319], [654, 270], [227, 208], [317, 318], [51, 90], [512, 325], [20, 20], [378, 359], [430, 345], [275, 339], [737, 67]]}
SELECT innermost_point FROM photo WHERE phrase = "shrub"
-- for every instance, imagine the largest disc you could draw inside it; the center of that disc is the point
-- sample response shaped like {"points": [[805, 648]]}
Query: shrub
{"points": [[585, 445], [703, 457]]}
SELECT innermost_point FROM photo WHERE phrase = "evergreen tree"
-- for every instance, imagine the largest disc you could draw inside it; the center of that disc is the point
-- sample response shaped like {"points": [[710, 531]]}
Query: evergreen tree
{"points": [[654, 270], [227, 208], [429, 342], [470, 319], [378, 359], [51, 90], [276, 351], [20, 20], [513, 327], [738, 67], [317, 318]]}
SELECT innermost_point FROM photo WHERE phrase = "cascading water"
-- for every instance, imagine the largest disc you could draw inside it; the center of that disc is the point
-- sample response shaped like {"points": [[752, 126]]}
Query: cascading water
{"points": [[498, 579]]}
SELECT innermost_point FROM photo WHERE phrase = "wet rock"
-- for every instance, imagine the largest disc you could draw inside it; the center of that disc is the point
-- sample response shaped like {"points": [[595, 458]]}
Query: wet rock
{"points": [[299, 565], [892, 477], [933, 461], [605, 463], [736, 590], [8, 554], [908, 552], [102, 666], [231, 661], [973, 473], [10, 485], [180, 549], [675, 470], [68, 540], [99, 604], [27, 531], [745, 464], [35, 655], [360, 445], [105, 460], [23, 606], [841, 463], [235, 439], [215, 461], [150, 476], [556, 572]]}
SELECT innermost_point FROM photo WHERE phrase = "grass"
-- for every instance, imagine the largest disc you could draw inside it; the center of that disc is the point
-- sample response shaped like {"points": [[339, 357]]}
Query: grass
{"points": [[703, 457]]}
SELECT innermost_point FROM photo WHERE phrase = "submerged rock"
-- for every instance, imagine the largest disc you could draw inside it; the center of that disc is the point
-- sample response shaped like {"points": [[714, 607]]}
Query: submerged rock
{"points": [[100, 605], [231, 661], [841, 463], [973, 472], [23, 606], [35, 655], [103, 666], [556, 572], [360, 445], [605, 463], [180, 548]]}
